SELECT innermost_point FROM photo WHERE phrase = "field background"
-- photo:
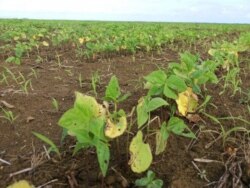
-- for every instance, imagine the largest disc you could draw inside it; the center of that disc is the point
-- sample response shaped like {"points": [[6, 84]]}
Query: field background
{"points": [[46, 61]]}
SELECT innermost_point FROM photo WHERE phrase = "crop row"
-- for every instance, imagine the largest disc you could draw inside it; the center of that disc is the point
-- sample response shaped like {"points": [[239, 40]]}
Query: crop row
{"points": [[175, 92], [19, 38]]}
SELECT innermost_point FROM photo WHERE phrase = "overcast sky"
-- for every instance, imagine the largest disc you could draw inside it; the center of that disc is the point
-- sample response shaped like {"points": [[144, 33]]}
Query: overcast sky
{"points": [[220, 11]]}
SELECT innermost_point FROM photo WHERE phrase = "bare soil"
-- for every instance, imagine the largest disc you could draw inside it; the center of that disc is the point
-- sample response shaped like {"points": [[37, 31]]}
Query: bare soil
{"points": [[60, 80]]}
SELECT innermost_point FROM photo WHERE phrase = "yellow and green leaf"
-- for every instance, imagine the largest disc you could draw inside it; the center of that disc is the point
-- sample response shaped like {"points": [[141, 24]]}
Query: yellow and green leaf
{"points": [[141, 156], [187, 102]]}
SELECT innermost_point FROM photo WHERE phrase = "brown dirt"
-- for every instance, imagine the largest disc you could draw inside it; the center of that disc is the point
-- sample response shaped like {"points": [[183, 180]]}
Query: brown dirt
{"points": [[174, 166]]}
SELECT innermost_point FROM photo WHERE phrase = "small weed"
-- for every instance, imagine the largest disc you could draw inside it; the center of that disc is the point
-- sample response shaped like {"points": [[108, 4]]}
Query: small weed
{"points": [[69, 72], [8, 115], [53, 147], [39, 59], [25, 86], [80, 80], [4, 79], [55, 104], [11, 74], [95, 80], [33, 72], [232, 80], [245, 99], [59, 63]]}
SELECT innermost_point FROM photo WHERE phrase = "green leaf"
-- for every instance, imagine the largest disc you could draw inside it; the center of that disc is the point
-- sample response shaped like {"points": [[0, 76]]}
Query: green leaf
{"points": [[149, 181], [178, 127], [156, 77], [10, 59], [97, 126], [150, 175], [189, 60], [142, 182], [74, 120], [205, 102], [169, 92], [155, 90], [181, 73], [53, 147], [113, 90], [156, 103], [141, 156], [196, 88], [198, 74], [173, 66], [164, 131], [156, 184], [124, 97], [84, 137], [86, 117], [19, 50], [64, 134], [141, 111], [87, 105], [103, 156], [176, 83], [86, 121], [160, 143], [79, 146]]}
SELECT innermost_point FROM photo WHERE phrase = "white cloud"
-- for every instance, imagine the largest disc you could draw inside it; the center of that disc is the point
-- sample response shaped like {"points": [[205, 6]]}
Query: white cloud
{"points": [[63, 6], [145, 10]]}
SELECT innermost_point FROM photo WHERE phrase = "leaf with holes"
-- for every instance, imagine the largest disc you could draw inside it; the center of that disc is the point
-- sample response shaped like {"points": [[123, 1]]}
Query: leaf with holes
{"points": [[86, 116], [103, 156], [115, 129]]}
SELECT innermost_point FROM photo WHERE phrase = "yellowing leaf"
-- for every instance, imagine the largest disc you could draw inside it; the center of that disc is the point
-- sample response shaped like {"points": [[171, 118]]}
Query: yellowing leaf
{"points": [[141, 156], [148, 85], [194, 118], [113, 130], [161, 143], [87, 39], [233, 52], [24, 36], [123, 47], [88, 108], [101, 111], [16, 38], [40, 35], [81, 40], [89, 104], [45, 43], [211, 52], [21, 184], [187, 102], [226, 65]]}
